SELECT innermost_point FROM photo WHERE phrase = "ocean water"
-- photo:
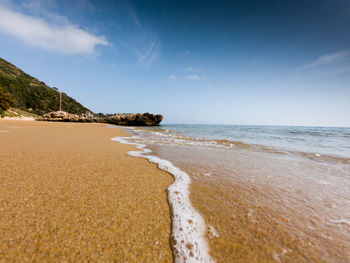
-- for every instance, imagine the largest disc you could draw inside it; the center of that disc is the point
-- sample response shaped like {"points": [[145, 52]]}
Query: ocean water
{"points": [[254, 193], [318, 140]]}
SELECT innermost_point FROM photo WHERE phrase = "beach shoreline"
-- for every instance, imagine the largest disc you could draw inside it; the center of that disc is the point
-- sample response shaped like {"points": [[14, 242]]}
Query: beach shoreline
{"points": [[189, 243], [76, 192], [258, 206], [69, 193]]}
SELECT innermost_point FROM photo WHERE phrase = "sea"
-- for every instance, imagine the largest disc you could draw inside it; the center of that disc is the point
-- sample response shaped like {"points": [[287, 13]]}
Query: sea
{"points": [[253, 193]]}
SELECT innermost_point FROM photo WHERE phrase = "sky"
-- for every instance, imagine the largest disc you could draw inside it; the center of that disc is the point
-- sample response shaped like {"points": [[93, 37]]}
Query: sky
{"points": [[275, 62]]}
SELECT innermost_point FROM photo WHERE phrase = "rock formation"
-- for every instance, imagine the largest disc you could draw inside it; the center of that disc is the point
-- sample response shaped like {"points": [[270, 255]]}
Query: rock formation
{"points": [[138, 119]]}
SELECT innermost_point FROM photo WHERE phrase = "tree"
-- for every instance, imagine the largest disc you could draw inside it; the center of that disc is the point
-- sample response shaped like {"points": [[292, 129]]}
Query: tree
{"points": [[6, 100]]}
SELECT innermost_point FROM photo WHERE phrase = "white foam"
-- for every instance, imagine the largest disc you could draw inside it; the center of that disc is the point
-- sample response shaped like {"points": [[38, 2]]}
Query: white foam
{"points": [[212, 231], [188, 227], [325, 183], [341, 221], [279, 255]]}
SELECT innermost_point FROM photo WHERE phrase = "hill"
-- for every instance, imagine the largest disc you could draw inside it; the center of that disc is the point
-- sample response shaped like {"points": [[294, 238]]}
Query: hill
{"points": [[32, 95]]}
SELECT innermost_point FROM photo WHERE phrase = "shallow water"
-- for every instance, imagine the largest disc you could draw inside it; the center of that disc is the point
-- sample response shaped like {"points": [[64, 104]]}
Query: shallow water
{"points": [[319, 140], [266, 193]]}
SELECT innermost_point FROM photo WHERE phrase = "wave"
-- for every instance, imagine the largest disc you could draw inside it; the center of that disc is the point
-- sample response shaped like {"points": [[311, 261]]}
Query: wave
{"points": [[188, 226], [168, 137], [323, 157]]}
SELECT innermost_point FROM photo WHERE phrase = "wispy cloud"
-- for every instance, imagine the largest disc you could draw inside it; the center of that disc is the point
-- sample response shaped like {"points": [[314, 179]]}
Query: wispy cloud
{"points": [[344, 69], [188, 76], [133, 15], [192, 69], [329, 59], [44, 7], [193, 77], [37, 5], [150, 54], [189, 73], [142, 40], [61, 38], [146, 49]]}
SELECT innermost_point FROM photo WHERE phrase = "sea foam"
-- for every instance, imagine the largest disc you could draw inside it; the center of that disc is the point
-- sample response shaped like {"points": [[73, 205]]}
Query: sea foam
{"points": [[188, 227]]}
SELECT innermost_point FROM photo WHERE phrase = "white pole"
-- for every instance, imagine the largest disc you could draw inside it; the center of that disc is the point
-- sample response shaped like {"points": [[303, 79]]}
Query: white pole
{"points": [[60, 101]]}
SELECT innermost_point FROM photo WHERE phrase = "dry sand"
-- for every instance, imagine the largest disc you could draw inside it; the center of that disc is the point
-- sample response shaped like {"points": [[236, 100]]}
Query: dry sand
{"points": [[69, 193]]}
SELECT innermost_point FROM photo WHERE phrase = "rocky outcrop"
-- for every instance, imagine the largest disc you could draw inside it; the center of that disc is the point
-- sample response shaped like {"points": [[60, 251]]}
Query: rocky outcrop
{"points": [[130, 119], [138, 119], [67, 117]]}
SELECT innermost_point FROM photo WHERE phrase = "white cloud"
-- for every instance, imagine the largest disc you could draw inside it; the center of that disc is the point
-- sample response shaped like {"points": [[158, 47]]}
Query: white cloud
{"points": [[172, 77], [329, 59], [61, 38]]}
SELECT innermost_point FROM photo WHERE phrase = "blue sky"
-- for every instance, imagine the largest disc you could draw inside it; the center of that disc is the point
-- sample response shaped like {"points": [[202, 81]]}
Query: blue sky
{"points": [[225, 62]]}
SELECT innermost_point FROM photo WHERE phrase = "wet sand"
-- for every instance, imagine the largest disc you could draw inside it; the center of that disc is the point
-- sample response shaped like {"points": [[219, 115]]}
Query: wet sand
{"points": [[248, 229], [253, 214], [69, 193]]}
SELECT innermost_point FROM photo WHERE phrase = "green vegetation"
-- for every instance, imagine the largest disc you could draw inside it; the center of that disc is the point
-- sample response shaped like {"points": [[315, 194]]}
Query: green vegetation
{"points": [[31, 95], [6, 101]]}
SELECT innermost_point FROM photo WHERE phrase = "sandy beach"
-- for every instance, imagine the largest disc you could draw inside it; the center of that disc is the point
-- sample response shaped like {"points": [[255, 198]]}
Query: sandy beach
{"points": [[70, 194]]}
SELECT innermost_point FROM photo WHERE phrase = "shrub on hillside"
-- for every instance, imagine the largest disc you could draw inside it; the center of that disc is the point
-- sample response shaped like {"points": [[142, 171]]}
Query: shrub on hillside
{"points": [[6, 100], [32, 95]]}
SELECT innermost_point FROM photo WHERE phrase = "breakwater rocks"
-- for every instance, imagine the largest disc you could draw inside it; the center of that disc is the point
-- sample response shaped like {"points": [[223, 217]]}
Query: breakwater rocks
{"points": [[130, 119], [138, 119]]}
